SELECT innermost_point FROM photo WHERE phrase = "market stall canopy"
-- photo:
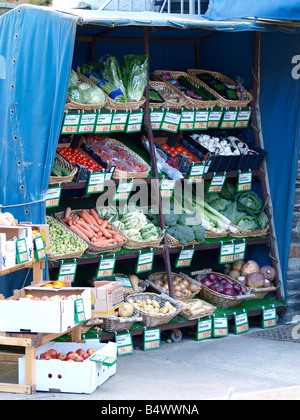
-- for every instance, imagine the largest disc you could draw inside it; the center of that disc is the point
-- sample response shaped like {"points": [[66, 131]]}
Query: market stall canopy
{"points": [[219, 10]]}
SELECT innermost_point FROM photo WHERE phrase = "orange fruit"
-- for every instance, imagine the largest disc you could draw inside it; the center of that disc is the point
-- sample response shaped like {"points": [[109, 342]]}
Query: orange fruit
{"points": [[47, 285], [58, 283]]}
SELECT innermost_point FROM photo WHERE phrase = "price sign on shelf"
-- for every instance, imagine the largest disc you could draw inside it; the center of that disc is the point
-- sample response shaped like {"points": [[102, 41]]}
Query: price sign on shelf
{"points": [[204, 329], [201, 120], [187, 120], [243, 118], [67, 272], [217, 184], [103, 122], [185, 258], [87, 123], [53, 197], [245, 181], [196, 173], [171, 122], [96, 183], [70, 124], [220, 327], [167, 188], [151, 339], [214, 119], [241, 323], [135, 122], [22, 251], [126, 282], [124, 344], [123, 191], [79, 311], [40, 253], [269, 318], [119, 122], [145, 262], [106, 267], [229, 119], [240, 251], [227, 254], [156, 118]]}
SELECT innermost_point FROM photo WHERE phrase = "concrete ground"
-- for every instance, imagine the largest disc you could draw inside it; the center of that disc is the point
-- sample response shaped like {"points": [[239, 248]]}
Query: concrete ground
{"points": [[237, 367]]}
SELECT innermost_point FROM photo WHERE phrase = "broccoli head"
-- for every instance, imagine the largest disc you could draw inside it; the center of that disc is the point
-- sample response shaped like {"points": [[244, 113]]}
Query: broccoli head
{"points": [[199, 232], [184, 234]]}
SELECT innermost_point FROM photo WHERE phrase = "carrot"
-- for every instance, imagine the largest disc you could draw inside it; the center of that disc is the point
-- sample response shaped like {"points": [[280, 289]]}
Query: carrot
{"points": [[105, 242], [105, 233], [112, 232], [119, 238], [76, 230], [86, 217], [85, 227], [84, 231], [104, 224], [68, 212], [75, 218], [92, 228], [96, 217]]}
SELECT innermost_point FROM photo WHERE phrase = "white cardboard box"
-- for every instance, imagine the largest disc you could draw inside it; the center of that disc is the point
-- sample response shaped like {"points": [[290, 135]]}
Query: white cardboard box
{"points": [[73, 377], [42, 316], [7, 243], [7, 253]]}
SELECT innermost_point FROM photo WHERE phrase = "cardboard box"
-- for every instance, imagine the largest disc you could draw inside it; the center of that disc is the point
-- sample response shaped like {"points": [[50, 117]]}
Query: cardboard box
{"points": [[43, 230], [107, 296], [9, 235], [20, 314], [71, 377]]}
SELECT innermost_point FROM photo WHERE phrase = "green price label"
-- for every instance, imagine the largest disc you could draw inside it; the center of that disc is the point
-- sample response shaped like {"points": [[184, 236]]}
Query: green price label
{"points": [[269, 318], [145, 262], [220, 327], [67, 272], [124, 344], [22, 251], [53, 197], [185, 258], [241, 323], [79, 311], [244, 181], [204, 329], [40, 253], [151, 339], [96, 183]]}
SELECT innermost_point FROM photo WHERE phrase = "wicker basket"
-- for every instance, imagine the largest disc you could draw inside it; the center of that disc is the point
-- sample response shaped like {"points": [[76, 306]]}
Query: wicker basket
{"points": [[150, 320], [70, 104], [91, 247], [166, 92], [77, 254], [260, 293], [218, 299], [159, 276], [114, 324], [134, 244], [226, 80], [64, 163], [202, 313], [250, 233], [118, 174], [190, 103], [142, 286], [110, 103]]}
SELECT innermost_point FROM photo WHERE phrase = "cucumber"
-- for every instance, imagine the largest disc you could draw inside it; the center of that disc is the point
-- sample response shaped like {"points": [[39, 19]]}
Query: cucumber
{"points": [[64, 171], [56, 170]]}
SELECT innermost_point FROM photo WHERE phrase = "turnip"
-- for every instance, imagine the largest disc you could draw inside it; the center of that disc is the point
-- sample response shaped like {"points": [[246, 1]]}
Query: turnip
{"points": [[268, 272], [249, 268], [255, 280]]}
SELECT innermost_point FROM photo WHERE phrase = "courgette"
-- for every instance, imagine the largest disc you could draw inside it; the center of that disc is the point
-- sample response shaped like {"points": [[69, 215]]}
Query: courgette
{"points": [[56, 170]]}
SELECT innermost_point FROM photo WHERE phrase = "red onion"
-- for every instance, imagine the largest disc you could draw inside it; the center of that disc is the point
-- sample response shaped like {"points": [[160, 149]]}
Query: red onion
{"points": [[206, 282], [229, 292], [237, 287], [212, 277]]}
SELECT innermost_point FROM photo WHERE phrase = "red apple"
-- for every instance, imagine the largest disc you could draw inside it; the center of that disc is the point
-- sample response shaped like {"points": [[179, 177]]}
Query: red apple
{"points": [[91, 351], [35, 298], [61, 356], [45, 356], [85, 356], [78, 359], [53, 353], [46, 298], [80, 352]]}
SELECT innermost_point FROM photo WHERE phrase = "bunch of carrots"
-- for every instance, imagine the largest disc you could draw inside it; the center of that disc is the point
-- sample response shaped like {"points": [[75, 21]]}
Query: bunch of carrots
{"points": [[91, 228]]}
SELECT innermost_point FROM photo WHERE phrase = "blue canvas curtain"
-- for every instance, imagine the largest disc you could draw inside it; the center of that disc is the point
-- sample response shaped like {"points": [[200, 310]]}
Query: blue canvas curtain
{"points": [[264, 9], [36, 50]]}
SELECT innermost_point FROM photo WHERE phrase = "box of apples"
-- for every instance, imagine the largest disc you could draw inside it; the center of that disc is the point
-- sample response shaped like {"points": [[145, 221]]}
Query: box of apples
{"points": [[72, 367], [44, 310]]}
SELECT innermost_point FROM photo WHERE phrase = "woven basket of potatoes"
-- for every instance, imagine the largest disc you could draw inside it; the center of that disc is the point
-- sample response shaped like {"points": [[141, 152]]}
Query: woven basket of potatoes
{"points": [[122, 319], [183, 286], [154, 309]]}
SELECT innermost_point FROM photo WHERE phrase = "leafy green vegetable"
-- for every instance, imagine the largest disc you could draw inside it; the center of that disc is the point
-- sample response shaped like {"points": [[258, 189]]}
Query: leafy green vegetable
{"points": [[75, 94], [134, 76], [184, 234], [220, 204], [93, 95], [229, 190], [233, 214], [73, 78], [199, 232], [248, 223], [263, 220], [250, 202], [88, 68], [112, 75]]}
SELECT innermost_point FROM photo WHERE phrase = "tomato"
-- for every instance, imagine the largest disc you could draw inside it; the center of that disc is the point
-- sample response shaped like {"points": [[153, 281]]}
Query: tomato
{"points": [[179, 149], [165, 147], [184, 152]]}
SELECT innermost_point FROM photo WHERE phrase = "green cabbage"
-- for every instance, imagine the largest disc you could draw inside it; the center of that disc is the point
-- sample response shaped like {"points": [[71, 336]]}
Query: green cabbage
{"points": [[93, 95]]}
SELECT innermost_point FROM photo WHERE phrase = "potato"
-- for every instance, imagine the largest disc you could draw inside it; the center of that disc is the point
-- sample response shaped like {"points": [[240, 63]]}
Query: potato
{"points": [[126, 311], [155, 304]]}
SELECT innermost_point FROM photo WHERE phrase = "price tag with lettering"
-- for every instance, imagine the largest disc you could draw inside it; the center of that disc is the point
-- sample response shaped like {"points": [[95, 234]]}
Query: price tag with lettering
{"points": [[196, 173], [217, 184], [53, 197], [201, 120], [239, 251], [39, 253], [220, 327], [241, 323], [105, 360], [124, 344], [228, 120], [106, 267], [87, 123], [245, 181], [119, 122], [151, 339], [126, 282], [187, 120], [22, 251], [135, 122], [167, 188], [103, 122], [171, 122], [214, 119], [67, 272], [185, 258], [269, 318], [227, 254], [156, 118], [70, 124], [243, 118], [96, 183], [79, 311], [204, 329], [145, 262], [123, 191]]}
